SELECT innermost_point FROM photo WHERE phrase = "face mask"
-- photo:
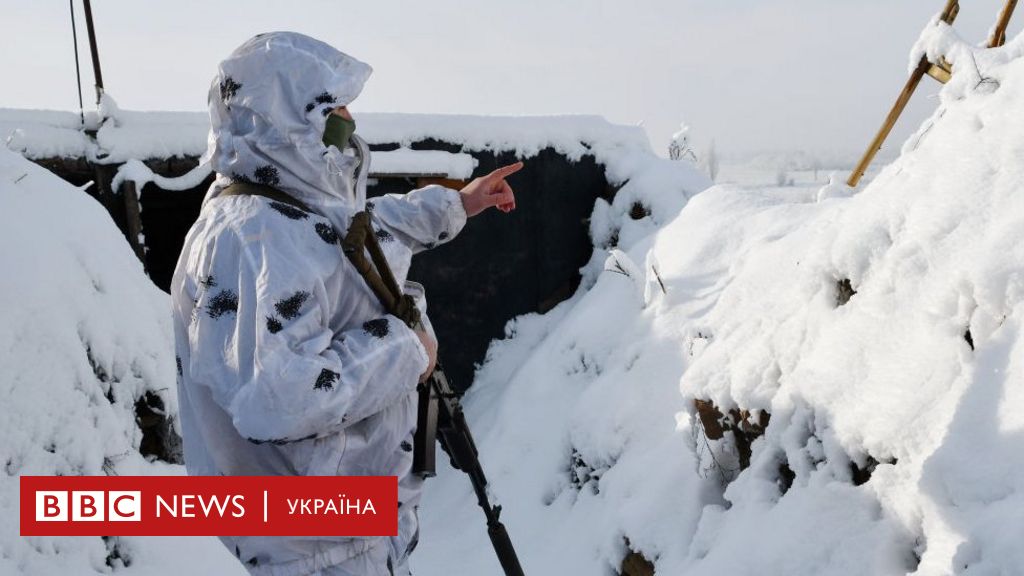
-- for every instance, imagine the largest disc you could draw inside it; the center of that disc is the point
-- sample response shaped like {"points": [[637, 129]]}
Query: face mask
{"points": [[338, 131]]}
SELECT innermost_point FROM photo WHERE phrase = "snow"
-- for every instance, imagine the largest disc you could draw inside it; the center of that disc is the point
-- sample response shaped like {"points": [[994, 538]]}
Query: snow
{"points": [[120, 136], [526, 136], [124, 135], [151, 135], [396, 162], [423, 162], [584, 416], [84, 334], [90, 293], [43, 133], [136, 171]]}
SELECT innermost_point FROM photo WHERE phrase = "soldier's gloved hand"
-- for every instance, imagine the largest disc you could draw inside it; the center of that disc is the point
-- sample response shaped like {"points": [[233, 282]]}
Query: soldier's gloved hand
{"points": [[431, 347]]}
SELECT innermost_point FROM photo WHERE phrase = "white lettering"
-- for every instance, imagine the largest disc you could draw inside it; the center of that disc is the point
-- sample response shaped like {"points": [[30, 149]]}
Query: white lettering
{"points": [[214, 501], [172, 508], [88, 506], [188, 505], [339, 507], [124, 506], [51, 506], [237, 500]]}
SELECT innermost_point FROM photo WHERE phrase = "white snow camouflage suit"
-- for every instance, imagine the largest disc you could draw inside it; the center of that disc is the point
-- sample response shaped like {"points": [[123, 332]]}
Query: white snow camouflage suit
{"points": [[288, 364]]}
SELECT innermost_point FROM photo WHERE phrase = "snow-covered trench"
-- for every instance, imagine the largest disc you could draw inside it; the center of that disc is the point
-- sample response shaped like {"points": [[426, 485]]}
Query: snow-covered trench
{"points": [[86, 335], [584, 416]]}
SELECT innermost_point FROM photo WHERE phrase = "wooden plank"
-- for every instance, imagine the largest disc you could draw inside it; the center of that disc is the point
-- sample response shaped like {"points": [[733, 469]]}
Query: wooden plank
{"points": [[942, 71]]}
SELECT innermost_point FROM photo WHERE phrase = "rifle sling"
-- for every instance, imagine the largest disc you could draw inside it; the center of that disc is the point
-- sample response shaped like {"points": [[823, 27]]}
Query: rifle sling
{"points": [[360, 236], [254, 189]]}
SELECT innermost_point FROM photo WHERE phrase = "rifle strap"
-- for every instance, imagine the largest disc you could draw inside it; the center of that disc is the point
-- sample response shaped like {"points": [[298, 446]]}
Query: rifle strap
{"points": [[359, 239], [254, 189]]}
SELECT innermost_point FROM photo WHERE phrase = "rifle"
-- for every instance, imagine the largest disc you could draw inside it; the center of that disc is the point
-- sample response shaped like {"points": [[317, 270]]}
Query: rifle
{"points": [[440, 416], [440, 412]]}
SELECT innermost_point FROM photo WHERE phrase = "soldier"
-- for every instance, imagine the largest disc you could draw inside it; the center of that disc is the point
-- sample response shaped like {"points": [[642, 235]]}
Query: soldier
{"points": [[288, 363]]}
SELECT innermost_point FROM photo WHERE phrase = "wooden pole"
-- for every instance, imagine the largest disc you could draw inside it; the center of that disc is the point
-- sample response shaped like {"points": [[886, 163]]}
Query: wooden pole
{"points": [[78, 69], [890, 121], [95, 51], [999, 32], [948, 15], [133, 219]]}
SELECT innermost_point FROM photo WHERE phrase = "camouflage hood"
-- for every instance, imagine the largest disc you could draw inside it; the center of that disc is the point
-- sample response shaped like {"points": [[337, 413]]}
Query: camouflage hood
{"points": [[268, 107]]}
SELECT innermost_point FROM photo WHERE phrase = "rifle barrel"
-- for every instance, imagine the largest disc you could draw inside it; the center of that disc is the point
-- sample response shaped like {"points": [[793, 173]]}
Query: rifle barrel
{"points": [[457, 441]]}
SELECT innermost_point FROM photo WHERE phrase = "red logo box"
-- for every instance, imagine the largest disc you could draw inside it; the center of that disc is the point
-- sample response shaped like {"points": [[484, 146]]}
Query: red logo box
{"points": [[209, 505]]}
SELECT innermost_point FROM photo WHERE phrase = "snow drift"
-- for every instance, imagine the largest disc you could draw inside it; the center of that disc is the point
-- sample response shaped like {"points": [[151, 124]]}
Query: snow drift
{"points": [[85, 339], [881, 331]]}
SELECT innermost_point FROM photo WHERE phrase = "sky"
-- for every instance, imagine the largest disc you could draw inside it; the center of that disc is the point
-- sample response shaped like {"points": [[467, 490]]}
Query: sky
{"points": [[754, 76]]}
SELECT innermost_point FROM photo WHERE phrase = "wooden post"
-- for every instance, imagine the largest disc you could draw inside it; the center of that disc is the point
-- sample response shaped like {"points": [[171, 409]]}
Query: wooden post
{"points": [[948, 15], [133, 219], [97, 73], [999, 32]]}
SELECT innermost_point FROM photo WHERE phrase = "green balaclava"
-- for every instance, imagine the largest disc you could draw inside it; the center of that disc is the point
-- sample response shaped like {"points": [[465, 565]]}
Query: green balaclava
{"points": [[338, 130]]}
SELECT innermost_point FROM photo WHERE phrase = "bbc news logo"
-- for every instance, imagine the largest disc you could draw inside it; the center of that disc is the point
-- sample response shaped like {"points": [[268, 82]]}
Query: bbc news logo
{"points": [[209, 505], [89, 506]]}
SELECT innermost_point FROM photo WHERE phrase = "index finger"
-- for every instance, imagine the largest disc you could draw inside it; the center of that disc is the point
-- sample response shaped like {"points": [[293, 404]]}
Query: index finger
{"points": [[506, 171]]}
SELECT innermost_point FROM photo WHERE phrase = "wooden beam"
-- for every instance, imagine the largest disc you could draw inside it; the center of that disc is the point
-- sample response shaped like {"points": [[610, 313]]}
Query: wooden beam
{"points": [[949, 14], [133, 219], [943, 71]]}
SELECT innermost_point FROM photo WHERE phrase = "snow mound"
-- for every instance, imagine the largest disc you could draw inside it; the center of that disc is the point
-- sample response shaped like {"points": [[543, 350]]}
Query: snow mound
{"points": [[84, 336], [881, 331]]}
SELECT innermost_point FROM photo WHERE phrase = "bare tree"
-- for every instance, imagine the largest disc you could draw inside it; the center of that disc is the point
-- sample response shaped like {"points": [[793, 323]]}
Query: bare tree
{"points": [[680, 146]]}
